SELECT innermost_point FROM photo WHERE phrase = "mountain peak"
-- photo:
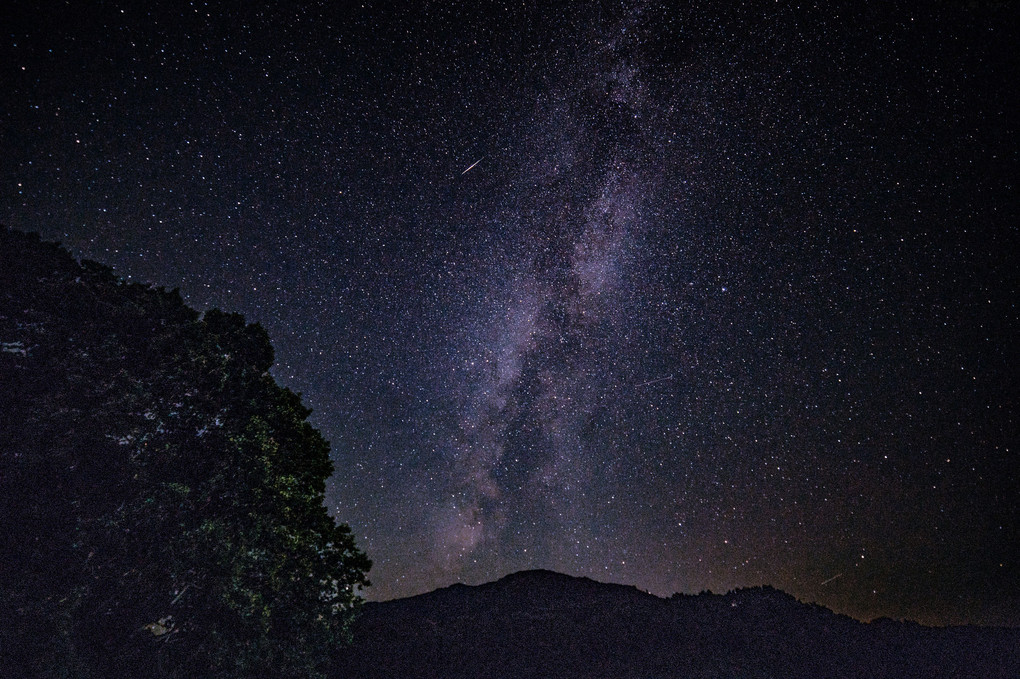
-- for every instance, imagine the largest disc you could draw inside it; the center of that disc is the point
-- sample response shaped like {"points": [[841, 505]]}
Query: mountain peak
{"points": [[540, 623]]}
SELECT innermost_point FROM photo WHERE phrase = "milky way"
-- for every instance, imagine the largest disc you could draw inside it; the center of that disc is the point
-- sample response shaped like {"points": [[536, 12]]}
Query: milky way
{"points": [[540, 367], [681, 298]]}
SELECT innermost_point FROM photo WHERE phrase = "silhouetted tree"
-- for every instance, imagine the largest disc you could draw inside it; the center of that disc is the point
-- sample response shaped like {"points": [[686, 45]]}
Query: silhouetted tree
{"points": [[161, 497]]}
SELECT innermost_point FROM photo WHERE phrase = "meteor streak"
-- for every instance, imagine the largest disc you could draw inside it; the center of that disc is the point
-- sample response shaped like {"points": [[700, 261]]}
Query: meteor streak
{"points": [[472, 165], [658, 379]]}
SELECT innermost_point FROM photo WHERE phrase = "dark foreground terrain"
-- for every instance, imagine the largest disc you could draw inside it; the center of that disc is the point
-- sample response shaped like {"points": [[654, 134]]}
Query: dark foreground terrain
{"points": [[543, 624]]}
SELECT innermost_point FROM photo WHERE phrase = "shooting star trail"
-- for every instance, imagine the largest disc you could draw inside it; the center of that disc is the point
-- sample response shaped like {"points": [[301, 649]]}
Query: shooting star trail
{"points": [[837, 575], [472, 165], [659, 379]]}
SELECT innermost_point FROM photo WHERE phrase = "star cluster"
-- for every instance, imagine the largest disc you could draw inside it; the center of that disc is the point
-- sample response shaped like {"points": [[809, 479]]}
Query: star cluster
{"points": [[683, 298]]}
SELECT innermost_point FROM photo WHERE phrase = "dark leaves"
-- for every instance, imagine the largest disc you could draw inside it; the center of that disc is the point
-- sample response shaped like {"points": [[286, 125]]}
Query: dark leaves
{"points": [[161, 494]]}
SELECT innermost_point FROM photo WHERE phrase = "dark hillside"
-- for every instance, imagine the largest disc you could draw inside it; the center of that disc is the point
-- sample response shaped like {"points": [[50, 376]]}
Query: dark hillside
{"points": [[543, 624]]}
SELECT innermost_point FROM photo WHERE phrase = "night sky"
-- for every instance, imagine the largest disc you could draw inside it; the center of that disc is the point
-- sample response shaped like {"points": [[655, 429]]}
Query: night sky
{"points": [[688, 298]]}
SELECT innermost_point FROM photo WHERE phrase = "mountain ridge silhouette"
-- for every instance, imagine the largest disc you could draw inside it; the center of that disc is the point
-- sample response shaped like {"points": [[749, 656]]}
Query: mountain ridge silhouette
{"points": [[545, 624]]}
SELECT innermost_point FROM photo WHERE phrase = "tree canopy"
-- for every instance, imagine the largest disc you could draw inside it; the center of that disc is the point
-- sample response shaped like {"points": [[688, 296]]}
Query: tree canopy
{"points": [[161, 497]]}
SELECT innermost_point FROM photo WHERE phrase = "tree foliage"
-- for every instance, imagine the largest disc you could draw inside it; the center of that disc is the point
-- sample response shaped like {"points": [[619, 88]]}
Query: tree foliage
{"points": [[161, 497]]}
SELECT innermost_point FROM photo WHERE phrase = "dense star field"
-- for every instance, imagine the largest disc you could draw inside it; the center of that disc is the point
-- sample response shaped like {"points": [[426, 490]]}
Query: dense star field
{"points": [[688, 298]]}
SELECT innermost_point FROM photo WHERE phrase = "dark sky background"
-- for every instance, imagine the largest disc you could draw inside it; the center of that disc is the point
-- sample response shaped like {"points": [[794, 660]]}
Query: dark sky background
{"points": [[687, 298]]}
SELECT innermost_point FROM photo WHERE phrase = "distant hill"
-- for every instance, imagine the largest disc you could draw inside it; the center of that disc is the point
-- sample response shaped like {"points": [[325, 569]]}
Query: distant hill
{"points": [[544, 624]]}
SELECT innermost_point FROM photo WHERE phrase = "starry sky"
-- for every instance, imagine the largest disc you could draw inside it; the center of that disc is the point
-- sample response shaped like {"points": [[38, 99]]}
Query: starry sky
{"points": [[688, 297]]}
